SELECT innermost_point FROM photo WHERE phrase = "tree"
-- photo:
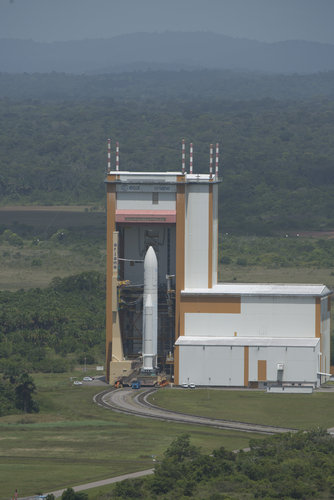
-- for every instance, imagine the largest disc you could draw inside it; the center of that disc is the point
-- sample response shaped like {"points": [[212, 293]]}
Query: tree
{"points": [[181, 449], [24, 394], [12, 371], [128, 489], [7, 398], [176, 467], [70, 494]]}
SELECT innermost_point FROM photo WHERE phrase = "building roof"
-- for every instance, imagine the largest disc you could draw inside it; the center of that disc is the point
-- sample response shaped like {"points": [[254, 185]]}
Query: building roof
{"points": [[278, 289], [186, 340], [127, 173], [158, 177]]}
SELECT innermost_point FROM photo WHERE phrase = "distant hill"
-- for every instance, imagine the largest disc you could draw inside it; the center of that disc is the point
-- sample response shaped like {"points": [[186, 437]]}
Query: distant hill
{"points": [[170, 50]]}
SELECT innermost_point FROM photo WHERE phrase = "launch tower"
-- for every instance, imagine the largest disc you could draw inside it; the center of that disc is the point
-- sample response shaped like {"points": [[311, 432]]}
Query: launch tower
{"points": [[212, 334], [177, 214]]}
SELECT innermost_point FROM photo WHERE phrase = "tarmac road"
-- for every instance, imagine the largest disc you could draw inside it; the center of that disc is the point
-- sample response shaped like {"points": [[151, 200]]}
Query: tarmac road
{"points": [[136, 403], [95, 484]]}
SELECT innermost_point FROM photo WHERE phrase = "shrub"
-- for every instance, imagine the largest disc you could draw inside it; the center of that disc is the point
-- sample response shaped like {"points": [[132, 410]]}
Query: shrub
{"points": [[12, 238]]}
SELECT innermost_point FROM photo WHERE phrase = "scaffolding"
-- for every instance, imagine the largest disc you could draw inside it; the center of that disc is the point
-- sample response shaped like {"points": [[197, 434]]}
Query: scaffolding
{"points": [[131, 322]]}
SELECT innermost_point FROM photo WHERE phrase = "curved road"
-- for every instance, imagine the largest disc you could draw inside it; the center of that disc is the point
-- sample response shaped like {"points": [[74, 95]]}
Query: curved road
{"points": [[135, 403]]}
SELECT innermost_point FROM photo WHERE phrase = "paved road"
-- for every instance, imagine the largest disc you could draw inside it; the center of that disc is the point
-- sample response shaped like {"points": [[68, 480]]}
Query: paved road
{"points": [[96, 484], [136, 403]]}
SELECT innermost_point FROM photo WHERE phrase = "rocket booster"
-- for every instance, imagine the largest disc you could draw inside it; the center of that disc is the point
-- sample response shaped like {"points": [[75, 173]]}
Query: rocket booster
{"points": [[150, 311]]}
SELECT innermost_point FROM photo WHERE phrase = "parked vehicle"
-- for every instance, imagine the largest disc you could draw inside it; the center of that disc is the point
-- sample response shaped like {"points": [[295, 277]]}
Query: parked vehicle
{"points": [[77, 382], [136, 384], [87, 379], [163, 383]]}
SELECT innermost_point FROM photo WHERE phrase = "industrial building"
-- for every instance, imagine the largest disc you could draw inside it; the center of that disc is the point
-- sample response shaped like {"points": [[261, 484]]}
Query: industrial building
{"points": [[209, 333]]}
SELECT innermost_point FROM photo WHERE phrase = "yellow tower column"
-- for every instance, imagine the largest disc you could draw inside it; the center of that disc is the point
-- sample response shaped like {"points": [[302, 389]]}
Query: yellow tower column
{"points": [[180, 262], [111, 226], [117, 346], [116, 365]]}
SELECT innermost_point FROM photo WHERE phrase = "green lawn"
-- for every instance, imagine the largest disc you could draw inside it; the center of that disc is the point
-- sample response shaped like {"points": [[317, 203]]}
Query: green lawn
{"points": [[35, 266], [299, 411], [263, 274], [73, 441], [42, 257]]}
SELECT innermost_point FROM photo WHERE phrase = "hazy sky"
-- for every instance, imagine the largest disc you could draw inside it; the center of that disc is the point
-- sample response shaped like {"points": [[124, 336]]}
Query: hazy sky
{"points": [[267, 20]]}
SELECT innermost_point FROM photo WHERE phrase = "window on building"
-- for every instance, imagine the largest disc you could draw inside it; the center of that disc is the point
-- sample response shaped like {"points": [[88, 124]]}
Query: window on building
{"points": [[155, 198]]}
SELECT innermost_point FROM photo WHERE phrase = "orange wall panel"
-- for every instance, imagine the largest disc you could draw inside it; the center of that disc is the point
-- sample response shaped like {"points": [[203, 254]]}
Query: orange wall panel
{"points": [[262, 370], [208, 305], [246, 365]]}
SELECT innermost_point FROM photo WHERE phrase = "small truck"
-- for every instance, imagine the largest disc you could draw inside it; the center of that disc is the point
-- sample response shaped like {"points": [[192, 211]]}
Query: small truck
{"points": [[136, 384]]}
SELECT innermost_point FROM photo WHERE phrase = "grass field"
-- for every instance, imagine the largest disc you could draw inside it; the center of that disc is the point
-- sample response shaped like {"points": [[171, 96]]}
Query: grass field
{"points": [[40, 259], [298, 411], [35, 265], [261, 274], [73, 441], [31, 266]]}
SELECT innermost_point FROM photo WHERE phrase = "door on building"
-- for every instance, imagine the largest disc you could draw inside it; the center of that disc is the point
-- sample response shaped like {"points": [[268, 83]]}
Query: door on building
{"points": [[262, 370]]}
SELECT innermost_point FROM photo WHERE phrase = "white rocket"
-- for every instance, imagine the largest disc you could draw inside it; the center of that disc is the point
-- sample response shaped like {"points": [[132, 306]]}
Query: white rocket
{"points": [[150, 311]]}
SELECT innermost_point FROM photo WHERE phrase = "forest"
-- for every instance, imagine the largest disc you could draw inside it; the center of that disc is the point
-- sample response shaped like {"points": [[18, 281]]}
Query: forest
{"points": [[275, 134], [46, 330], [276, 156], [285, 466], [162, 85]]}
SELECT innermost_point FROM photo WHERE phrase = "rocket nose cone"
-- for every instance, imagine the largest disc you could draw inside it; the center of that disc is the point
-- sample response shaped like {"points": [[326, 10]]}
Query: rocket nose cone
{"points": [[150, 251], [150, 256]]}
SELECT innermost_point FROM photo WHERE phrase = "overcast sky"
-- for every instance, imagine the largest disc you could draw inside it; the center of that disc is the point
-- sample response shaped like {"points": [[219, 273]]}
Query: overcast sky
{"points": [[265, 20]]}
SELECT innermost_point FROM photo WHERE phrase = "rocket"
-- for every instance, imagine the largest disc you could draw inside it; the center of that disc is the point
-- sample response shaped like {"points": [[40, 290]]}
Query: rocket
{"points": [[150, 311]]}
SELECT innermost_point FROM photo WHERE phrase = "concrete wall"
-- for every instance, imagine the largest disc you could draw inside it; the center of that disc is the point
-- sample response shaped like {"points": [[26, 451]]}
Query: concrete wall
{"points": [[225, 365], [215, 236], [203, 365], [144, 201], [264, 316], [325, 334], [196, 236], [300, 363]]}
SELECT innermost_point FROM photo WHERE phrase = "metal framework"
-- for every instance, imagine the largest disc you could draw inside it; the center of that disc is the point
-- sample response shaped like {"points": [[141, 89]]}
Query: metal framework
{"points": [[130, 311]]}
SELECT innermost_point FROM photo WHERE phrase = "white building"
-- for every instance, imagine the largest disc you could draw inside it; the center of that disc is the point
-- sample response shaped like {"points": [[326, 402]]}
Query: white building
{"points": [[225, 334], [246, 334]]}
